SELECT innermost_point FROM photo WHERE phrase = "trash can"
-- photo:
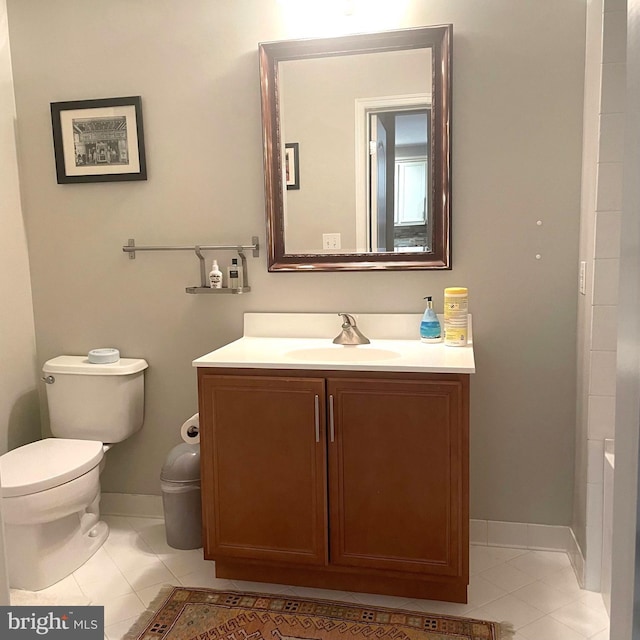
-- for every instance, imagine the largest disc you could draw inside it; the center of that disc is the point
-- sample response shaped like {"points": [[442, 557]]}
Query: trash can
{"points": [[180, 484]]}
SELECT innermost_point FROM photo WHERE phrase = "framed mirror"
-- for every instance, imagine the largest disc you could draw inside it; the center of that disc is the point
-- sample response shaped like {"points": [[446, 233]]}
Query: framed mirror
{"points": [[357, 158]]}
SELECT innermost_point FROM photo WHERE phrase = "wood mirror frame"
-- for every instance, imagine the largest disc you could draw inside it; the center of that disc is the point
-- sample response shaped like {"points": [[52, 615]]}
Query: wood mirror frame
{"points": [[438, 39]]}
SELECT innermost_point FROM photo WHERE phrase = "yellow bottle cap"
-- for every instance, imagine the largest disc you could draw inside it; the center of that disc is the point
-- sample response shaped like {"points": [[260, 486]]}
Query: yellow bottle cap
{"points": [[456, 291]]}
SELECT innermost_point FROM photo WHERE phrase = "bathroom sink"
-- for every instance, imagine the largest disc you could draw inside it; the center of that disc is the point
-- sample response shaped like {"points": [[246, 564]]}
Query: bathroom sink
{"points": [[342, 354], [304, 341]]}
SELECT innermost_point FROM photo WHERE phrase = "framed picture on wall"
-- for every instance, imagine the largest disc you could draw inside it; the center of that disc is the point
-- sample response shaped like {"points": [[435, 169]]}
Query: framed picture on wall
{"points": [[291, 165], [99, 140]]}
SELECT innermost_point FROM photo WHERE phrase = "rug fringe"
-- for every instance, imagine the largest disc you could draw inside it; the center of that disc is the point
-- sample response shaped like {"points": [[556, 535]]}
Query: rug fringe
{"points": [[145, 617], [506, 631]]}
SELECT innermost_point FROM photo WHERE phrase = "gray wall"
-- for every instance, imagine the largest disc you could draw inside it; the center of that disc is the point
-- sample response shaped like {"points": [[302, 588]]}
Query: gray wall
{"points": [[517, 100], [19, 411]]}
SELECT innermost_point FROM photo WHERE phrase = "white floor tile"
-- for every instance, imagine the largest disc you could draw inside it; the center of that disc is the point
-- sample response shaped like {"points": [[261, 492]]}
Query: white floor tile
{"points": [[182, 563], [206, 578], [118, 630], [130, 555], [541, 563], [581, 618], [66, 591], [543, 596], [98, 567], [593, 600], [443, 608], [565, 581], [507, 577], [108, 588], [377, 600], [481, 592], [122, 608], [504, 554], [147, 573], [482, 558], [260, 587], [140, 523], [149, 594], [509, 609], [155, 536], [535, 591], [118, 523], [66, 587], [549, 629]]}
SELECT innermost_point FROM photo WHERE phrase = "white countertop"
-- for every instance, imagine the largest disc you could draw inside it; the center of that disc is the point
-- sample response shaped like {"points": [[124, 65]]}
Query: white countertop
{"points": [[274, 341]]}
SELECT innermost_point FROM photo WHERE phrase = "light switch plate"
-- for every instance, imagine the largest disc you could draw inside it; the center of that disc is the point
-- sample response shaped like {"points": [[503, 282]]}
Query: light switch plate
{"points": [[331, 241]]}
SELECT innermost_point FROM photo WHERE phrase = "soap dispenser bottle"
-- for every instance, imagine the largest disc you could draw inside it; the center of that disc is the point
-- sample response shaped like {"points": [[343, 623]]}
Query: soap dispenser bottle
{"points": [[215, 276], [430, 330]]}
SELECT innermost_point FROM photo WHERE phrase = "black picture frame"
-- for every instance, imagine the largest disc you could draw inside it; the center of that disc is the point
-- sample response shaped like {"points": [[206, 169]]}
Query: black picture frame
{"points": [[99, 140], [292, 165]]}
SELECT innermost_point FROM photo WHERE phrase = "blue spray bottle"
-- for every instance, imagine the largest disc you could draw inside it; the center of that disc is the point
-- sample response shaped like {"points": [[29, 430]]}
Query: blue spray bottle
{"points": [[430, 330]]}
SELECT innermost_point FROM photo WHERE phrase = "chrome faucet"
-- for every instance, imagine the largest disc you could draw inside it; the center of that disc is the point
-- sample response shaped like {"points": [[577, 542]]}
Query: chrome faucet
{"points": [[350, 334]]}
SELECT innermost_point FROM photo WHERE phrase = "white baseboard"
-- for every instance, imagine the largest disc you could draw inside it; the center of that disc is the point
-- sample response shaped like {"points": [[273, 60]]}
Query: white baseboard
{"points": [[485, 532], [577, 561], [127, 504], [491, 533], [521, 535]]}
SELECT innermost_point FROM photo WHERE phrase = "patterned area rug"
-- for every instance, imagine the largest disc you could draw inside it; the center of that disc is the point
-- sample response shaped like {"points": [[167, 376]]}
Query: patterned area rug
{"points": [[205, 614]]}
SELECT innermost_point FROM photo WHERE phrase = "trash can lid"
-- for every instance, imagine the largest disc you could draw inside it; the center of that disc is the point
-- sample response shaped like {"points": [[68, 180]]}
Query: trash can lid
{"points": [[182, 464]]}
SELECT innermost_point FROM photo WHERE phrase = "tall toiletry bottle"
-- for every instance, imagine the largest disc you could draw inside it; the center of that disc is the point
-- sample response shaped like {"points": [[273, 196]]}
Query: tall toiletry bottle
{"points": [[233, 273], [240, 268], [215, 276], [430, 330], [456, 316]]}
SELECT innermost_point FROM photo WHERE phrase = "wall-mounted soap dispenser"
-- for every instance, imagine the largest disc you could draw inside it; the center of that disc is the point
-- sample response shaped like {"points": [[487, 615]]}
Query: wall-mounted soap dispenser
{"points": [[430, 330]]}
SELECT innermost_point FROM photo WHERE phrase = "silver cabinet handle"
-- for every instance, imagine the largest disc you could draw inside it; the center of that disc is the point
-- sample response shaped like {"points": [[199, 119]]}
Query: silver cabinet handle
{"points": [[317, 407], [331, 426]]}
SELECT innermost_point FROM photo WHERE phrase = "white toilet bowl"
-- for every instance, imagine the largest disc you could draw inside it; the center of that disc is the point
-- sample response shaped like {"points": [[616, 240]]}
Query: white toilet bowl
{"points": [[50, 506]]}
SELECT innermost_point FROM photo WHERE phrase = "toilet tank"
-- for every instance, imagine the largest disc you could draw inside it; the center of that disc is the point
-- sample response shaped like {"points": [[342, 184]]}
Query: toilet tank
{"points": [[88, 401]]}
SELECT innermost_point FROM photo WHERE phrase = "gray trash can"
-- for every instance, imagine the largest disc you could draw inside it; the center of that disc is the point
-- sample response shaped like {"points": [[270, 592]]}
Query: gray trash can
{"points": [[180, 484]]}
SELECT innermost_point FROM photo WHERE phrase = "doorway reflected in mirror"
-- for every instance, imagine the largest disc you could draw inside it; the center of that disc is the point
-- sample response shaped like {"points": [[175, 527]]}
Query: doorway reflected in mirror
{"points": [[398, 216]]}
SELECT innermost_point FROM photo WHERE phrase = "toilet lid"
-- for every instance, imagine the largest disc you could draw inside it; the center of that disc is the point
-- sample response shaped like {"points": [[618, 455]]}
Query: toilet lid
{"points": [[46, 463]]}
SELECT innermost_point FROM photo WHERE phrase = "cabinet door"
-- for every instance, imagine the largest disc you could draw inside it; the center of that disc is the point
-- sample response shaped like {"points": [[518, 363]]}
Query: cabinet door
{"points": [[264, 468], [398, 484]]}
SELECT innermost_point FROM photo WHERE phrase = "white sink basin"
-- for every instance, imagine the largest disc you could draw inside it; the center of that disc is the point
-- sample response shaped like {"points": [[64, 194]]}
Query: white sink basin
{"points": [[339, 353]]}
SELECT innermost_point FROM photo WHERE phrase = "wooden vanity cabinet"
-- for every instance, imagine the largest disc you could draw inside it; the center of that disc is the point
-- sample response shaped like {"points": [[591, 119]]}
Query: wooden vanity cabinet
{"points": [[337, 479], [264, 473]]}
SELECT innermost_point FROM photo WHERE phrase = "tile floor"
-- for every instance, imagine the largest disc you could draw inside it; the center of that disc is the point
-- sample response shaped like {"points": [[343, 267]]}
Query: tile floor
{"points": [[536, 591]]}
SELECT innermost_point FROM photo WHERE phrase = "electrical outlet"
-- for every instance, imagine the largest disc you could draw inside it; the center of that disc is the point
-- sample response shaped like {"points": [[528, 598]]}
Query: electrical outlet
{"points": [[330, 241], [582, 282]]}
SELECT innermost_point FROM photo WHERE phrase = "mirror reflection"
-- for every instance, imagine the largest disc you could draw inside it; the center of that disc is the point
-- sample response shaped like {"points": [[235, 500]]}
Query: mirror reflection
{"points": [[398, 211], [340, 109], [356, 133]]}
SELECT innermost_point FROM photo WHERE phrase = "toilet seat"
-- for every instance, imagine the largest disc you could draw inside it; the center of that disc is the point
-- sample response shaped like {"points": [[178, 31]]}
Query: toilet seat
{"points": [[45, 464]]}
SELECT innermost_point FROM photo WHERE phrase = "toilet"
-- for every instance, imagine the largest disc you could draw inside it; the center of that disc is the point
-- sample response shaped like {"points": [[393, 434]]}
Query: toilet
{"points": [[51, 488]]}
